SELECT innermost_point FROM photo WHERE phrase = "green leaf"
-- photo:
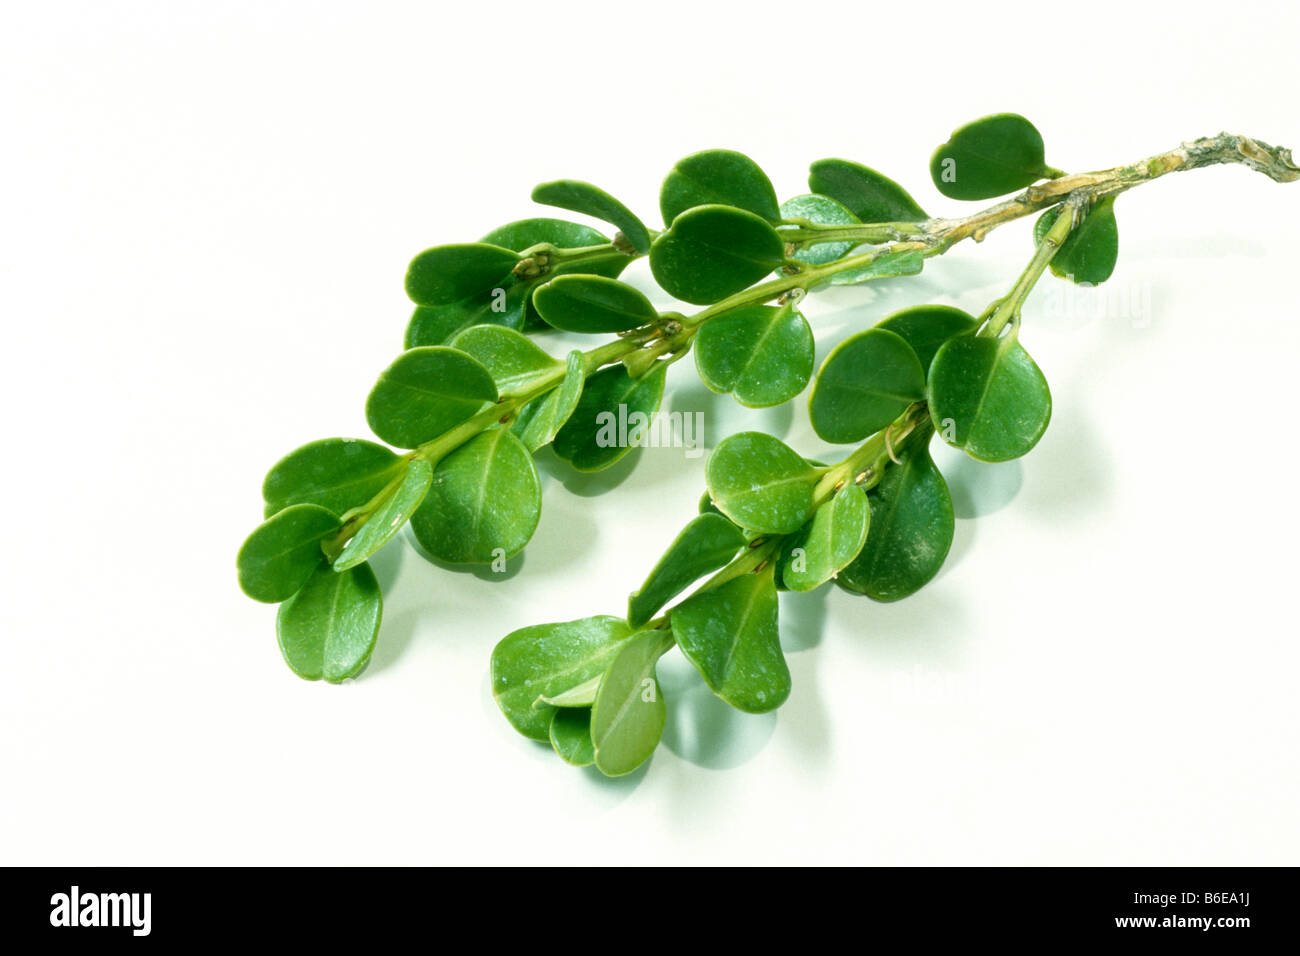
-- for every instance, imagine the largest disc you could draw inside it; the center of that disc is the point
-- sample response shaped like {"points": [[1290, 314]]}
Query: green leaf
{"points": [[988, 397], [926, 327], [828, 542], [446, 274], [425, 392], [760, 483], [763, 354], [544, 660], [911, 529], [584, 695], [328, 629], [571, 736], [705, 545], [505, 306], [864, 384], [719, 176], [526, 233], [540, 419], [885, 267], [592, 304], [628, 717], [990, 157], [613, 416], [388, 518], [870, 196], [730, 634], [335, 473], [1091, 250], [712, 252], [592, 201], [823, 211], [512, 359], [283, 551], [485, 496]]}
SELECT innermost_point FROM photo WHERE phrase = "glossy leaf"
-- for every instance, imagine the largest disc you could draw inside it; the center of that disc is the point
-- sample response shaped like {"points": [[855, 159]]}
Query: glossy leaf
{"points": [[823, 211], [714, 251], [828, 542], [592, 304], [926, 327], [388, 519], [990, 157], [484, 502], [425, 392], [864, 384], [545, 660], [328, 629], [577, 196], [446, 274], [1091, 250], [628, 716], [335, 473], [539, 420], [613, 416], [869, 195], [885, 267], [705, 545], [988, 397], [762, 354], [571, 736], [730, 634], [720, 176], [283, 551], [760, 483], [911, 529], [512, 359]]}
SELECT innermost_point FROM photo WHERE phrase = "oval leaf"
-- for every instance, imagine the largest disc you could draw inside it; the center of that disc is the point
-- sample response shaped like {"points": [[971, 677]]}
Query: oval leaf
{"points": [[328, 629], [612, 417], [388, 518], [828, 542], [425, 392], [505, 305], [539, 420], [1091, 250], [988, 397], [823, 211], [446, 274], [760, 483], [283, 551], [911, 529], [512, 359], [545, 660], [628, 717], [730, 634], [484, 501], [706, 544], [571, 736], [990, 157], [714, 251], [869, 195], [720, 176], [592, 304], [926, 327], [762, 354], [864, 384], [577, 196], [335, 473]]}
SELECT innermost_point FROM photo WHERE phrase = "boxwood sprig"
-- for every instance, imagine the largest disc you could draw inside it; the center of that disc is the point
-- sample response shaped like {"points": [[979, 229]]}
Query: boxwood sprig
{"points": [[472, 397]]}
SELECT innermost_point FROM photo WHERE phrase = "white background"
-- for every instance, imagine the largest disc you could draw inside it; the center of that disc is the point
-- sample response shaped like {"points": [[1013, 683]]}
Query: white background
{"points": [[207, 210]]}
